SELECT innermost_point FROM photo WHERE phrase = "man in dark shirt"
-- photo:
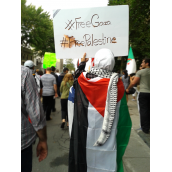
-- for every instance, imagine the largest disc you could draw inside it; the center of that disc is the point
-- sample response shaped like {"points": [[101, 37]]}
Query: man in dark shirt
{"points": [[56, 76]]}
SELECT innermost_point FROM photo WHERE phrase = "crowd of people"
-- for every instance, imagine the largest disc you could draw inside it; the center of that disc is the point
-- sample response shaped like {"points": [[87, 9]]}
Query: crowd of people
{"points": [[39, 91]]}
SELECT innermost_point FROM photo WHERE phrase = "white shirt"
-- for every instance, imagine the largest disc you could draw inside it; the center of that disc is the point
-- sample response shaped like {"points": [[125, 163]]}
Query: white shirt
{"points": [[58, 74]]}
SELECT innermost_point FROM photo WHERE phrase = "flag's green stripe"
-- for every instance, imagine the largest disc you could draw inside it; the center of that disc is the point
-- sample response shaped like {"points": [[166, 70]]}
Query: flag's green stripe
{"points": [[123, 132], [130, 54], [49, 60]]}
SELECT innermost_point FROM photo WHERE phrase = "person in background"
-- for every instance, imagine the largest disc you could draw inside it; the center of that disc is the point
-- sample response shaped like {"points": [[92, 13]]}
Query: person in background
{"points": [[119, 74], [143, 76], [49, 90], [33, 122], [57, 72], [141, 67], [29, 64], [56, 76], [135, 87], [40, 73], [125, 79], [60, 78], [64, 90]]}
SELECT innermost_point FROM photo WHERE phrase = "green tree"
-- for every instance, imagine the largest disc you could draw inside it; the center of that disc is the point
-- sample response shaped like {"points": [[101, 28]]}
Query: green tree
{"points": [[36, 29], [139, 28], [69, 64]]}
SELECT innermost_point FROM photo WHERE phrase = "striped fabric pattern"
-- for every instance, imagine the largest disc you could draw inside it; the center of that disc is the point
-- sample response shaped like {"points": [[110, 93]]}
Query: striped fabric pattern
{"points": [[48, 81], [31, 108]]}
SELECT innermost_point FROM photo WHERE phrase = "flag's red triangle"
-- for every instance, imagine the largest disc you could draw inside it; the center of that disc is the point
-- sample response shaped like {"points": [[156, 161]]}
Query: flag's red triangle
{"points": [[96, 92]]}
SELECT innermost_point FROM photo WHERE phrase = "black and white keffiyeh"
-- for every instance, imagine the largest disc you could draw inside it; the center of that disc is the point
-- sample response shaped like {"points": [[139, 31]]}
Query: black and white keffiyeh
{"points": [[110, 106], [101, 72]]}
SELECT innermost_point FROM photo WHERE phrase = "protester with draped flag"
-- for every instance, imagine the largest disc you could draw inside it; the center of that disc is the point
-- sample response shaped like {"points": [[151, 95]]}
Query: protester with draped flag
{"points": [[131, 63], [101, 123]]}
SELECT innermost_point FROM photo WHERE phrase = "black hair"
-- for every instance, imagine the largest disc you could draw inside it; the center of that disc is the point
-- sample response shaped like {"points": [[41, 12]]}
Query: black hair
{"points": [[65, 69], [147, 61], [126, 73], [118, 71], [53, 68], [40, 72], [132, 74]]}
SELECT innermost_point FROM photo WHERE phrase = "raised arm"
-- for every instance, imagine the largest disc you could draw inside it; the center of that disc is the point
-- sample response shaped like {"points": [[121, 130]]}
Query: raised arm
{"points": [[81, 67]]}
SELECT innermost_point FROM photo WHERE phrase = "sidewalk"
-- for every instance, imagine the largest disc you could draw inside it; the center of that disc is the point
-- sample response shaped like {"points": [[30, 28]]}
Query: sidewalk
{"points": [[136, 158], [137, 154], [58, 146]]}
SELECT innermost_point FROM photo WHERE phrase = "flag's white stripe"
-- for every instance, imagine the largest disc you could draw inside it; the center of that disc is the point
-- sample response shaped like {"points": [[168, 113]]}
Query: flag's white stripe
{"points": [[131, 67], [101, 158], [70, 116], [70, 111]]}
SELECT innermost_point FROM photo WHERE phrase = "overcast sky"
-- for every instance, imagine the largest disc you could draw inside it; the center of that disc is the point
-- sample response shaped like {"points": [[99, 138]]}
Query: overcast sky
{"points": [[50, 5]]}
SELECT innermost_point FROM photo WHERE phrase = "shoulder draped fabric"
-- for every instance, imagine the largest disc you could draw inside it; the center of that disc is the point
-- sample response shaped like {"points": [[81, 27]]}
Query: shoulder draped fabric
{"points": [[87, 115]]}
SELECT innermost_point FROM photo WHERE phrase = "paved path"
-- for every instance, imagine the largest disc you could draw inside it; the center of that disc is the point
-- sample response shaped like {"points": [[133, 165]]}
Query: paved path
{"points": [[136, 158], [58, 146], [137, 154]]}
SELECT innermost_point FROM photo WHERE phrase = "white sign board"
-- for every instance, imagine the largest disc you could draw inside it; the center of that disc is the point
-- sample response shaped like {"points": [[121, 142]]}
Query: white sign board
{"points": [[79, 31]]}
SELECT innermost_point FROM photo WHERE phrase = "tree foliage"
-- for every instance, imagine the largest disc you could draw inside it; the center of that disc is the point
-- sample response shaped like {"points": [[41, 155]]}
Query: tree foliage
{"points": [[36, 29], [139, 26], [69, 64]]}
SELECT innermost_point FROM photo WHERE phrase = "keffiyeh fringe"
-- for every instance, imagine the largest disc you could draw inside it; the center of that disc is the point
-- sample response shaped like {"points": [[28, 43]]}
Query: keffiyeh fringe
{"points": [[111, 102]]}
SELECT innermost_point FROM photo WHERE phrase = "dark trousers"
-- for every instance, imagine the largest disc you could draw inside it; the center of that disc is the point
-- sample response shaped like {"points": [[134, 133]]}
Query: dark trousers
{"points": [[47, 105], [64, 109], [53, 104], [58, 91], [26, 159], [144, 105]]}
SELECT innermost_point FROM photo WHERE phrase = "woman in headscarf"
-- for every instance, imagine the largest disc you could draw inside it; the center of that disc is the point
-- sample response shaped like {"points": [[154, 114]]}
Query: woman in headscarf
{"points": [[100, 108]]}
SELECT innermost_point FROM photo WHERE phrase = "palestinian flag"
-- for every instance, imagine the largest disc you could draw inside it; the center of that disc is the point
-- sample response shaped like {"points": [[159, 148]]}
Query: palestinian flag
{"points": [[131, 63], [87, 114]]}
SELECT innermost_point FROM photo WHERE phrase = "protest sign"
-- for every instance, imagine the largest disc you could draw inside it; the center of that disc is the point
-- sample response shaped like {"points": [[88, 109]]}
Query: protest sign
{"points": [[77, 31], [49, 60]]}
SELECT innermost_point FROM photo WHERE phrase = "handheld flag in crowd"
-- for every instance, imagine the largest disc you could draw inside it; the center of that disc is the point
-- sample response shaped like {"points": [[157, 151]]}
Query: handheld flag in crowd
{"points": [[131, 63], [49, 60]]}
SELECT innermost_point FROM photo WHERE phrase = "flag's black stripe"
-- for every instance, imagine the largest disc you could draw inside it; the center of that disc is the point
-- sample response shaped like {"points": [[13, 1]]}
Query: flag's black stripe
{"points": [[78, 141]]}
